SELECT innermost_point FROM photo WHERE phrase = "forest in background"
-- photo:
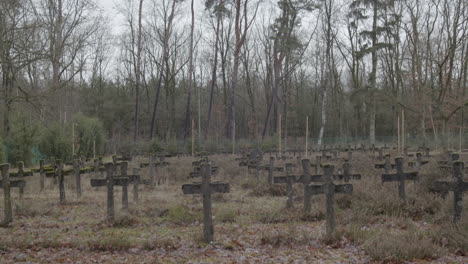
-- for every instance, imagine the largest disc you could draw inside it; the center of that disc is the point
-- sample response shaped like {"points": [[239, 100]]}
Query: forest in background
{"points": [[362, 70]]}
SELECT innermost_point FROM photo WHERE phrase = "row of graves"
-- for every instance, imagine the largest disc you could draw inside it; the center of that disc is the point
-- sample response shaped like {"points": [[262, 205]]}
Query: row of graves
{"points": [[318, 178], [326, 179], [109, 175]]}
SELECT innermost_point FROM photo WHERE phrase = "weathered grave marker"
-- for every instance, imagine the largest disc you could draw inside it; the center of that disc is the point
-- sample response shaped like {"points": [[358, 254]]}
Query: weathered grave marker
{"points": [[76, 172], [206, 188], [110, 181], [400, 177], [41, 175], [457, 187], [387, 166], [329, 189], [8, 218], [60, 175]]}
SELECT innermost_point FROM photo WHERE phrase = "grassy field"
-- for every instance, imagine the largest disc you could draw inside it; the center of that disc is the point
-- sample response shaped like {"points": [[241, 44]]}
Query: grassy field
{"points": [[251, 223]]}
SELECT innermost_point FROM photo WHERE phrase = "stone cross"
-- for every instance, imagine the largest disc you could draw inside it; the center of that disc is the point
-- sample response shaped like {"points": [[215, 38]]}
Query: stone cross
{"points": [[77, 174], [110, 182], [41, 174], [444, 164], [457, 187], [329, 189], [400, 177], [61, 179], [387, 166], [20, 175], [380, 154], [206, 188], [8, 218]]}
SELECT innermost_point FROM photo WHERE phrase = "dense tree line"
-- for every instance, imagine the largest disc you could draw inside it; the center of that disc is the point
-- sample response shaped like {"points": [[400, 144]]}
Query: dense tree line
{"points": [[243, 69]]}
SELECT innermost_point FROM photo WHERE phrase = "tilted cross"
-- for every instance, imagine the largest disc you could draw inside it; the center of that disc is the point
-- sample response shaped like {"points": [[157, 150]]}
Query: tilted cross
{"points": [[206, 188], [400, 177], [457, 187]]}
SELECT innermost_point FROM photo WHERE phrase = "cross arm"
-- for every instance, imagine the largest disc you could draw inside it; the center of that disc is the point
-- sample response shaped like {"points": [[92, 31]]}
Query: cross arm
{"points": [[215, 187]]}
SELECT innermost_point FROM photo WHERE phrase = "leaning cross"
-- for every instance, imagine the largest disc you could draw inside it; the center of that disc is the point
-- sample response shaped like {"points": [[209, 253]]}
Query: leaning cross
{"points": [[329, 189], [400, 177], [457, 187], [206, 188]]}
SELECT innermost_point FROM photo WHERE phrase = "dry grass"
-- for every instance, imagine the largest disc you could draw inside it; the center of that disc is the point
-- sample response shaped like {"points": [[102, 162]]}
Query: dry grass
{"points": [[372, 218]]}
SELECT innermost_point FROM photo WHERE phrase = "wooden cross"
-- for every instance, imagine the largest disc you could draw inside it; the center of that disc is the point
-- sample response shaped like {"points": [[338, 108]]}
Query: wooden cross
{"points": [[400, 177], [329, 189], [110, 181], [6, 184], [206, 188], [457, 187]]}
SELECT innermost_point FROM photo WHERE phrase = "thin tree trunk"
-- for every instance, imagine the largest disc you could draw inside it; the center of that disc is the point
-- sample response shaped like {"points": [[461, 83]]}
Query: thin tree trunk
{"points": [[188, 115], [138, 74]]}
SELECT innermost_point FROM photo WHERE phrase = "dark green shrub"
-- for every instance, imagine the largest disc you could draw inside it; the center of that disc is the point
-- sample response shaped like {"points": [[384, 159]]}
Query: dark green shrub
{"points": [[55, 142], [155, 146], [89, 133], [21, 140]]}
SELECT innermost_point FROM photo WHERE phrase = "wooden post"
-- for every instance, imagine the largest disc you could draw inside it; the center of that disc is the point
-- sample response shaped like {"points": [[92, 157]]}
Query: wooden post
{"points": [[208, 229], [41, 175], [307, 138], [8, 215], [76, 171], [94, 148], [307, 181], [110, 192], [61, 179]]}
